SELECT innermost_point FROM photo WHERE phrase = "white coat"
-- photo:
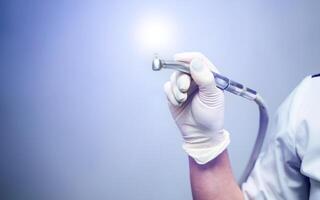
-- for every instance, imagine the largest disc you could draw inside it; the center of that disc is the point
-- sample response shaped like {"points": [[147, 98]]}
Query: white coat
{"points": [[289, 165]]}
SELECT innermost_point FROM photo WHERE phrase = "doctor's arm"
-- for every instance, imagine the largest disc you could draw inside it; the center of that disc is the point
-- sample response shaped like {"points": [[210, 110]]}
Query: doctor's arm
{"points": [[197, 107], [214, 180]]}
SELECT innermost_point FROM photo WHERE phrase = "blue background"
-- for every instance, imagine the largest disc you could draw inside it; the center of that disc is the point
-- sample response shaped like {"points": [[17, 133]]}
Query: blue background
{"points": [[82, 116]]}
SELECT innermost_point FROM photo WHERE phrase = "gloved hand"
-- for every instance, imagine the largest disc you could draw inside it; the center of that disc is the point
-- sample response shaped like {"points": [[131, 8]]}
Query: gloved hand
{"points": [[197, 107]]}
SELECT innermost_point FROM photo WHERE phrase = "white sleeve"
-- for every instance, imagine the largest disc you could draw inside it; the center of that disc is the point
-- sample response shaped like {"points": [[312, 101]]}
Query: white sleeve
{"points": [[276, 174]]}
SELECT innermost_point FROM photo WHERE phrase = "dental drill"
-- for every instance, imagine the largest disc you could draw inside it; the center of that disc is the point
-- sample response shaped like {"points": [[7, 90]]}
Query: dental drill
{"points": [[236, 88]]}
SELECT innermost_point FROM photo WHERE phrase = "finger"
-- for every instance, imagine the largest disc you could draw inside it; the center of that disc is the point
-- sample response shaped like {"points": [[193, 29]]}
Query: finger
{"points": [[179, 95], [201, 74], [208, 94], [169, 94], [189, 56], [183, 82]]}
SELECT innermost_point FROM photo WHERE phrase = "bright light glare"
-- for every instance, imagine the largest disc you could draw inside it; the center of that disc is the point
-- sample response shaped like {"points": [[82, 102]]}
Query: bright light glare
{"points": [[155, 33]]}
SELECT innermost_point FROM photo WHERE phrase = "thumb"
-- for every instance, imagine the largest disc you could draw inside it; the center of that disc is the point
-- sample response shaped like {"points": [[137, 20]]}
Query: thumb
{"points": [[203, 77]]}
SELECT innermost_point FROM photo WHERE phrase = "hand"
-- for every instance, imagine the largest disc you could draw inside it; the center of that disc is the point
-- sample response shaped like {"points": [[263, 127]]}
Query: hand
{"points": [[197, 106]]}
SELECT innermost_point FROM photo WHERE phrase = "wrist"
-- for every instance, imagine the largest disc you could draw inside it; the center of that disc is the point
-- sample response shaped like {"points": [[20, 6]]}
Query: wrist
{"points": [[206, 147]]}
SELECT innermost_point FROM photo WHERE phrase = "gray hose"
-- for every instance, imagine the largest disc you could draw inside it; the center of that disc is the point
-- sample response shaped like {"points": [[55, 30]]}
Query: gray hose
{"points": [[263, 125]]}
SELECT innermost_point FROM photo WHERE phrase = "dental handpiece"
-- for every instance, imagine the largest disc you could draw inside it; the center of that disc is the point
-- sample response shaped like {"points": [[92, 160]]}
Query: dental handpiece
{"points": [[222, 82]]}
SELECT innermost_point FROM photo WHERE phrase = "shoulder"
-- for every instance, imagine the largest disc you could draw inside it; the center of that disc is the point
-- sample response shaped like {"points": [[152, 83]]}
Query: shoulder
{"points": [[288, 114], [298, 111], [304, 101], [310, 97]]}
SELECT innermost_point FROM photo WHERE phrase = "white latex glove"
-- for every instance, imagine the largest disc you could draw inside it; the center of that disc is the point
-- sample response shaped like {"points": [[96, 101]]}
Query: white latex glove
{"points": [[198, 108]]}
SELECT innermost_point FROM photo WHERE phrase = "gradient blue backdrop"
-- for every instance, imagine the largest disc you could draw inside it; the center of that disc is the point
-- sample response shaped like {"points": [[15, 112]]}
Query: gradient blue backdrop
{"points": [[82, 116]]}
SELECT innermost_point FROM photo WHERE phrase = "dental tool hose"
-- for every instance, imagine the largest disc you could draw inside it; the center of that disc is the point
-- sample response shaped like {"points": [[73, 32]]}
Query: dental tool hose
{"points": [[236, 88]]}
